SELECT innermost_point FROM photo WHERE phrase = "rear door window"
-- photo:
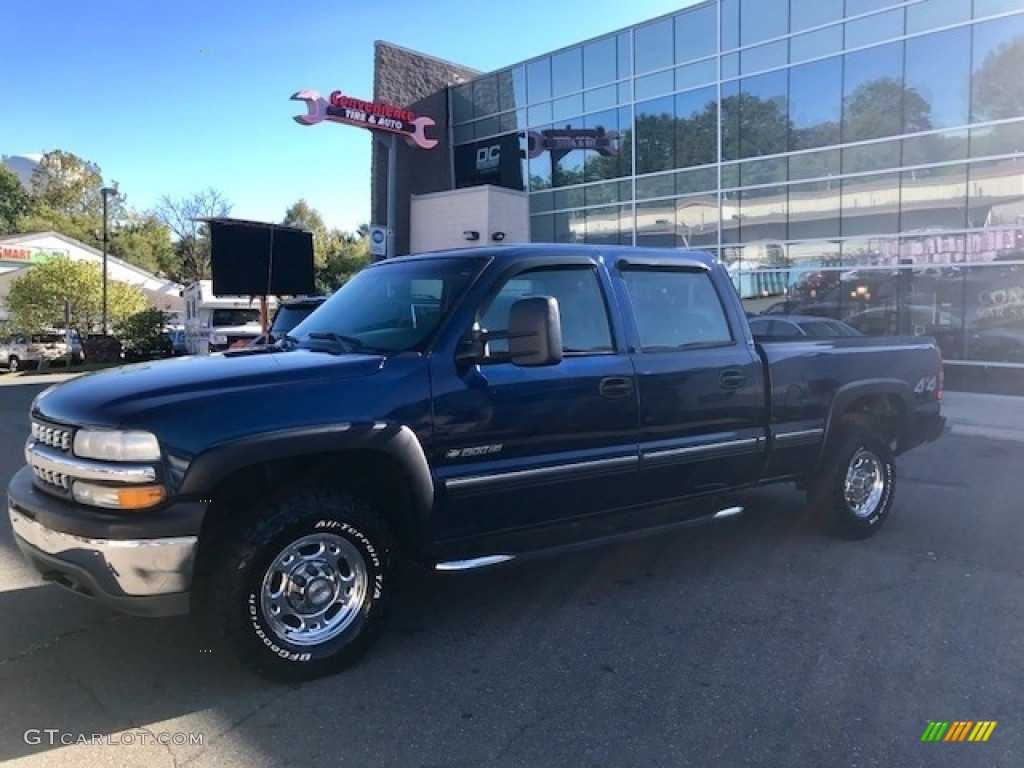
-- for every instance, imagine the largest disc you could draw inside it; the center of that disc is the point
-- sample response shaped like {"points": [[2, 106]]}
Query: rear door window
{"points": [[676, 309]]}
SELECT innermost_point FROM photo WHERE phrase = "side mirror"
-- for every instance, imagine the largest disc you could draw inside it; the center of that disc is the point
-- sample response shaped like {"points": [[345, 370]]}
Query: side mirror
{"points": [[535, 332]]}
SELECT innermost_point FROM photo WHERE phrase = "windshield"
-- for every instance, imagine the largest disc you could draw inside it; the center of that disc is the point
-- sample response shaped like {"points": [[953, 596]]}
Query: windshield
{"points": [[222, 317], [390, 308]]}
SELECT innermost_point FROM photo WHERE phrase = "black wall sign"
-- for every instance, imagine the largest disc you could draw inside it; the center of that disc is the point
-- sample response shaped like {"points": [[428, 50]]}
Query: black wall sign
{"points": [[251, 258], [496, 161]]}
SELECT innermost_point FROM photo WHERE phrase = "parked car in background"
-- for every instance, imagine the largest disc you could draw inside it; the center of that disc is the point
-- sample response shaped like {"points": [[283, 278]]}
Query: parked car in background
{"points": [[179, 346], [795, 326], [23, 351], [288, 316], [77, 350]]}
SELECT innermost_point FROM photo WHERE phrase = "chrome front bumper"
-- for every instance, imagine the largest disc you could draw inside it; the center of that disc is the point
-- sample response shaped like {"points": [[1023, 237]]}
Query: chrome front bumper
{"points": [[141, 576]]}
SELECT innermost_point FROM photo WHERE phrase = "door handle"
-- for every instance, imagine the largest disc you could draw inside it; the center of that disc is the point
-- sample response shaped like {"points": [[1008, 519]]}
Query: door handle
{"points": [[731, 378], [615, 387]]}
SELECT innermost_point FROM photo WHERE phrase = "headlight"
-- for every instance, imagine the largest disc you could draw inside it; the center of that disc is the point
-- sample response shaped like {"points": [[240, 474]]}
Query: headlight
{"points": [[218, 338], [137, 497], [116, 445]]}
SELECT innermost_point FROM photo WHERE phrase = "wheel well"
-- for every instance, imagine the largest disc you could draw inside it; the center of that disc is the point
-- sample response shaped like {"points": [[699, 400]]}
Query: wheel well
{"points": [[885, 415], [373, 476]]}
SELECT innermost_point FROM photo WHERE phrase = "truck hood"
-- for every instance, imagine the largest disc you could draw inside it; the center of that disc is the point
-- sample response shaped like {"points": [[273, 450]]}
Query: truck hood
{"points": [[108, 398]]}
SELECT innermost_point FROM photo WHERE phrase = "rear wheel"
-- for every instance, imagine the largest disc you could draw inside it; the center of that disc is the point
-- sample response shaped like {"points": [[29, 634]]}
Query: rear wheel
{"points": [[300, 593], [855, 495]]}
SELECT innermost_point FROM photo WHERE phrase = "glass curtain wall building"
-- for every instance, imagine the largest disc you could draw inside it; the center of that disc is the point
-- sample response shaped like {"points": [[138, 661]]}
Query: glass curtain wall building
{"points": [[842, 157]]}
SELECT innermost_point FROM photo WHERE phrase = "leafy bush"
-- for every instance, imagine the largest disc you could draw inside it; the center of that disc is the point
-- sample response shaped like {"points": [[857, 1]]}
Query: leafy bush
{"points": [[142, 331]]}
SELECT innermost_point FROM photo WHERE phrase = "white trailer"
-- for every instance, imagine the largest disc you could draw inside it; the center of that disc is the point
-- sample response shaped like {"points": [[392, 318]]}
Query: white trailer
{"points": [[215, 323]]}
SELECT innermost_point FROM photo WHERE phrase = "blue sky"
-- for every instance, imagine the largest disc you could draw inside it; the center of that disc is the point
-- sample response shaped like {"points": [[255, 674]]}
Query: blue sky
{"points": [[171, 97]]}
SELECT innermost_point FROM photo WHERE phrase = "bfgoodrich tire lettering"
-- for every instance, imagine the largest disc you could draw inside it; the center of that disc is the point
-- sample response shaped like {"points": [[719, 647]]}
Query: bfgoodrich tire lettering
{"points": [[300, 593], [856, 494]]}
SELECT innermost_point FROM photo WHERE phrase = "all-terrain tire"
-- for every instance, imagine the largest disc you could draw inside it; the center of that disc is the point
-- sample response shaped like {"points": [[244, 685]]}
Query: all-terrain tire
{"points": [[854, 497], [300, 590]]}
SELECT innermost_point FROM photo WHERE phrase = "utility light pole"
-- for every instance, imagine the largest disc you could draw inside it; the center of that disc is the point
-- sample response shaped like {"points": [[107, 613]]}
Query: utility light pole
{"points": [[106, 192]]}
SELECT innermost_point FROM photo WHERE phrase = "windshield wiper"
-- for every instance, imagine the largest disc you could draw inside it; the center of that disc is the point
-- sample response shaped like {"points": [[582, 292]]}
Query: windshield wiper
{"points": [[352, 342]]}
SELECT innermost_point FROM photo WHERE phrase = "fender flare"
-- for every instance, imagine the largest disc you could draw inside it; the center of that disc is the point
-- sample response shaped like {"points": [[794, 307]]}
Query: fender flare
{"points": [[397, 441], [847, 394]]}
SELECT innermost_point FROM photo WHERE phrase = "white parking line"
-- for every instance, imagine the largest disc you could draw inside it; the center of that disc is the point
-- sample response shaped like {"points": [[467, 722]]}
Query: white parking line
{"points": [[993, 433]]}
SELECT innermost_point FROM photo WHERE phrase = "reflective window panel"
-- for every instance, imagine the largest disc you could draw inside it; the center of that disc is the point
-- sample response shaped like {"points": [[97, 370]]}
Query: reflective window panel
{"points": [[805, 14], [655, 135], [567, 72], [600, 62], [1002, 139], [814, 210], [998, 88], [656, 225], [870, 205], [655, 48], [873, 104], [934, 198], [538, 80], [879, 156], [937, 80], [935, 148], [930, 14], [485, 95], [763, 214], [762, 20], [696, 134], [874, 29], [696, 33], [462, 103], [762, 123], [816, 103]]}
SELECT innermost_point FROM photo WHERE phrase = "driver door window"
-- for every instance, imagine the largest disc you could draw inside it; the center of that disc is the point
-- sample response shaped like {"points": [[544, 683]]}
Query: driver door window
{"points": [[581, 307]]}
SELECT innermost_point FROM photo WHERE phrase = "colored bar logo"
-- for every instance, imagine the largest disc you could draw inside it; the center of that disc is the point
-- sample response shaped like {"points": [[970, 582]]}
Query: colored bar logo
{"points": [[958, 730]]}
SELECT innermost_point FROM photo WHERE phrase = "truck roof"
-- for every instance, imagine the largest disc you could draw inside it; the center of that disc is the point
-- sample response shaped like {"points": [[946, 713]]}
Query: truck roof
{"points": [[610, 254]]}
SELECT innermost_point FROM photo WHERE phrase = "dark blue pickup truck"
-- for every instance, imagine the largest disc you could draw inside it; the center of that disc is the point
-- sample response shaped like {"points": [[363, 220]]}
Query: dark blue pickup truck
{"points": [[458, 410]]}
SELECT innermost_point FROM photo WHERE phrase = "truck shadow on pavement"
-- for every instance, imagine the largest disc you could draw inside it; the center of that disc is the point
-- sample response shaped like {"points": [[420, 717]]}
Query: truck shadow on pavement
{"points": [[80, 669]]}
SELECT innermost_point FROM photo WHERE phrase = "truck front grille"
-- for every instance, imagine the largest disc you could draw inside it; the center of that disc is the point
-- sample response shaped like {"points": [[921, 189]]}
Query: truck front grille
{"points": [[56, 480], [54, 437]]}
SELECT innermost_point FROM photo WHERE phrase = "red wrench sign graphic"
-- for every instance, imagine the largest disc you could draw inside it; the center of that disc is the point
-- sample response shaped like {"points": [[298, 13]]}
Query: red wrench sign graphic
{"points": [[374, 116]]}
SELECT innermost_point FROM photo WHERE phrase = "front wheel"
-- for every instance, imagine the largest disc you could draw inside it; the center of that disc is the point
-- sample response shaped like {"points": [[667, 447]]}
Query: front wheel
{"points": [[300, 594], [856, 493]]}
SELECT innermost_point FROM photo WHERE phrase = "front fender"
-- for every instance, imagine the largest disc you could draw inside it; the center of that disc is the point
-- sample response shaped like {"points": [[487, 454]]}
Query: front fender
{"points": [[397, 441]]}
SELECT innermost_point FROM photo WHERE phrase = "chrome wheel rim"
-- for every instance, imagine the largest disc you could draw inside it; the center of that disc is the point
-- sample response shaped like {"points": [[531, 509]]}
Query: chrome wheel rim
{"points": [[865, 483], [314, 589]]}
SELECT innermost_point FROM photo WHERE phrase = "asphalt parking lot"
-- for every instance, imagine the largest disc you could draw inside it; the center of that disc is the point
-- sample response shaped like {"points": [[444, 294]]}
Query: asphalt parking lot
{"points": [[758, 641]]}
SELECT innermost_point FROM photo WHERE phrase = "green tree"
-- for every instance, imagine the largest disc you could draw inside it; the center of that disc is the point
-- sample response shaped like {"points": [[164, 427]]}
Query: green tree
{"points": [[37, 299], [191, 258], [337, 255], [14, 201], [143, 240], [345, 254], [64, 195]]}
